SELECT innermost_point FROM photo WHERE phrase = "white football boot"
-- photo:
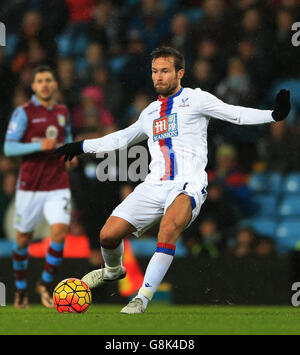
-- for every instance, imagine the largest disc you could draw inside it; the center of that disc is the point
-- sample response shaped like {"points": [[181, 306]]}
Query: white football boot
{"points": [[98, 277], [135, 306]]}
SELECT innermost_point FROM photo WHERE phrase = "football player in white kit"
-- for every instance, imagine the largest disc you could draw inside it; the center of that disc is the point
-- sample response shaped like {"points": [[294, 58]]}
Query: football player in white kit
{"points": [[173, 192]]}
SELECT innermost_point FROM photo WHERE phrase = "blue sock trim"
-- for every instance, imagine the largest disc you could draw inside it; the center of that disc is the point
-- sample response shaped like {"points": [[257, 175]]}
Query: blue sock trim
{"points": [[21, 285], [47, 277], [165, 251], [53, 260], [18, 250], [165, 248], [56, 246], [20, 265]]}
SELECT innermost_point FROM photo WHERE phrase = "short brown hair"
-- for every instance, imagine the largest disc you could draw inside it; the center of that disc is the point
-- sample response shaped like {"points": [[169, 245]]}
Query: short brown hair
{"points": [[166, 51], [42, 69]]}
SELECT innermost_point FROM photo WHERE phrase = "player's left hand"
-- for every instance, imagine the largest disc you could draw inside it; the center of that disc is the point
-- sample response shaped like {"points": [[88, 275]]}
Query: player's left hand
{"points": [[282, 105], [69, 150]]}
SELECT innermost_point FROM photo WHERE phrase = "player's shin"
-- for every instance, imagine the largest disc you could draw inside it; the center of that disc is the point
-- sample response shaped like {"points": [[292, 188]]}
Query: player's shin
{"points": [[53, 260], [113, 259], [20, 264], [156, 271]]}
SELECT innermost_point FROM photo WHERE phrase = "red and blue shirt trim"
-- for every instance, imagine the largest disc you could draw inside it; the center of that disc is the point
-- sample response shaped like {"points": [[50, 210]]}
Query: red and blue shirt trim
{"points": [[166, 145]]}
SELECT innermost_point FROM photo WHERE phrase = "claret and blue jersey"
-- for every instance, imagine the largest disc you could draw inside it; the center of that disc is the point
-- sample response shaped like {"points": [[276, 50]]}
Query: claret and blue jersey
{"points": [[19, 123], [28, 126]]}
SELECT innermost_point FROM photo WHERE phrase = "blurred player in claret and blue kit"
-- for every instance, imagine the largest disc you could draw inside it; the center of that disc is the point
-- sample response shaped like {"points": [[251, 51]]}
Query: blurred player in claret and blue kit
{"points": [[34, 131]]}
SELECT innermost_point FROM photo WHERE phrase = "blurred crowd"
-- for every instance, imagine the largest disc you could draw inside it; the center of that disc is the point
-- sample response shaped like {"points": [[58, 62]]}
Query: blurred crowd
{"points": [[239, 50]]}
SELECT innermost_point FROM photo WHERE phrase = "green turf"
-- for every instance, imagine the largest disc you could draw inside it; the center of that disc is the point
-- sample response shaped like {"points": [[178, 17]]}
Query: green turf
{"points": [[158, 320]]}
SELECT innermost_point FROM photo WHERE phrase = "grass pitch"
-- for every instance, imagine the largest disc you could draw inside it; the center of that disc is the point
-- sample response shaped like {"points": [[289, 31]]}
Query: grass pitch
{"points": [[158, 320]]}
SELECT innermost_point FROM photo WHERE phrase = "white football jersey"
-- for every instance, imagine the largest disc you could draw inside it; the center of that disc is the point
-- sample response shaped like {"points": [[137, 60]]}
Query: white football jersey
{"points": [[176, 129]]}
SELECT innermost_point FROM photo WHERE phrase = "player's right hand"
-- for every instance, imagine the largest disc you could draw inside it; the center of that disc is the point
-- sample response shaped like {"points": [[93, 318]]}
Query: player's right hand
{"points": [[48, 144], [69, 150]]}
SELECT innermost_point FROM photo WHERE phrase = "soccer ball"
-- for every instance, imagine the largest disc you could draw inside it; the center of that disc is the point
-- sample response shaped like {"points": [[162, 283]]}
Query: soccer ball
{"points": [[72, 295]]}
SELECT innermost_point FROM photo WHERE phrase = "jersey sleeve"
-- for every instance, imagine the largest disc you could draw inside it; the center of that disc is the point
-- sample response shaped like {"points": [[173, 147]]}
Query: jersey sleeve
{"points": [[116, 140], [14, 149], [211, 106], [17, 125], [15, 132]]}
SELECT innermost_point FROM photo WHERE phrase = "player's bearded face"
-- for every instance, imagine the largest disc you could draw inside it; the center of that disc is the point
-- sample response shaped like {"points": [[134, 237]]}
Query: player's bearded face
{"points": [[44, 86], [166, 80]]}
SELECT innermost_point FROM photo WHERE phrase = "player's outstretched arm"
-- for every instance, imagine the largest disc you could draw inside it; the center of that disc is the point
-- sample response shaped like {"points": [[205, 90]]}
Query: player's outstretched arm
{"points": [[216, 108], [113, 141]]}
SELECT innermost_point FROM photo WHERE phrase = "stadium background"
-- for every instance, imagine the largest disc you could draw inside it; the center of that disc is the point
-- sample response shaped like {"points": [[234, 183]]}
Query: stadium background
{"points": [[244, 246]]}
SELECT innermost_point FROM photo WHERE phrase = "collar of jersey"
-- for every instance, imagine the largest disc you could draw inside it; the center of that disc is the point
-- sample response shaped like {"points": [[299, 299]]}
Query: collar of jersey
{"points": [[170, 97], [37, 103]]}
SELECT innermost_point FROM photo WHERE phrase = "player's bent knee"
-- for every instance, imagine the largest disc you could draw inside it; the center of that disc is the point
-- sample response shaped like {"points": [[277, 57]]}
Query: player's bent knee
{"points": [[108, 238]]}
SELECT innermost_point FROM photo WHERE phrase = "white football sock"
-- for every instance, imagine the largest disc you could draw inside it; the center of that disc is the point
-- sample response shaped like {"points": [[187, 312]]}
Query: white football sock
{"points": [[156, 270], [113, 259]]}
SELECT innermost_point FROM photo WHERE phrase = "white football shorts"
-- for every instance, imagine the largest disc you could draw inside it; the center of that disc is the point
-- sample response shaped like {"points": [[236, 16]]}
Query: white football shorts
{"points": [[31, 205], [148, 202]]}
